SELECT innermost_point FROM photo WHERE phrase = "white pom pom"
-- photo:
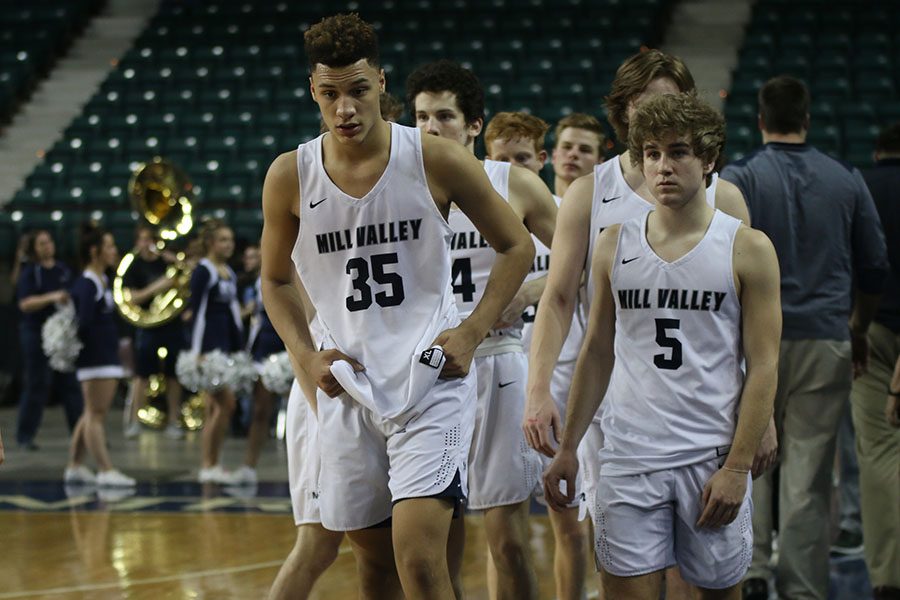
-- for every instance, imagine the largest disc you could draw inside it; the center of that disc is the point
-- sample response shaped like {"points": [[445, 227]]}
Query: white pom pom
{"points": [[241, 374], [59, 338], [277, 375], [187, 369], [214, 369]]}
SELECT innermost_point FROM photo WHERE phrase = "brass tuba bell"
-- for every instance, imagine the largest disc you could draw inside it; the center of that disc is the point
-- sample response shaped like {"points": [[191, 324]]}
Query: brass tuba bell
{"points": [[163, 195]]}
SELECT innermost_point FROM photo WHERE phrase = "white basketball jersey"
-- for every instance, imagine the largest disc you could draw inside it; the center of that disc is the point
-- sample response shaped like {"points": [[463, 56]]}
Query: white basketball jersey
{"points": [[473, 259], [675, 387], [376, 268], [539, 268], [615, 202]]}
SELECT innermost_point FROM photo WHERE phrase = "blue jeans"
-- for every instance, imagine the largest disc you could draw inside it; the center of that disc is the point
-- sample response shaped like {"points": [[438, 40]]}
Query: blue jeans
{"points": [[40, 381]]}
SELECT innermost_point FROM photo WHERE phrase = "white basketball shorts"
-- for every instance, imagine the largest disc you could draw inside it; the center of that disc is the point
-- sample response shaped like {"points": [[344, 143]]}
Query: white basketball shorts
{"points": [[645, 523], [369, 462], [303, 457], [503, 468]]}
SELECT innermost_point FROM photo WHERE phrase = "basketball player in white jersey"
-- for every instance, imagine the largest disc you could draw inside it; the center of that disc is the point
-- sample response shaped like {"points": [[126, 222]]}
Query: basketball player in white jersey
{"points": [[682, 296], [519, 138], [447, 101], [579, 146], [613, 193], [360, 214]]}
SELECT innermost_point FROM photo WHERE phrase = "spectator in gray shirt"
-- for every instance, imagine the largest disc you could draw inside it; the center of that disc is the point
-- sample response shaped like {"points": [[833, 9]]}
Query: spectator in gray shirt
{"points": [[831, 250]]}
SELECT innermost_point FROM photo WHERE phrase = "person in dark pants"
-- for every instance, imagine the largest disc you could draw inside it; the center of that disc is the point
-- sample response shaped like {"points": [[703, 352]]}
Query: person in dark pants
{"points": [[145, 278], [831, 249], [42, 284], [876, 422]]}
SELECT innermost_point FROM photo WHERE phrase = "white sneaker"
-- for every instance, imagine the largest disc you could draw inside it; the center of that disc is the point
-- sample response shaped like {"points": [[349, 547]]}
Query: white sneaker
{"points": [[174, 432], [115, 494], [133, 430], [209, 474], [245, 476], [114, 478], [79, 474], [216, 474]]}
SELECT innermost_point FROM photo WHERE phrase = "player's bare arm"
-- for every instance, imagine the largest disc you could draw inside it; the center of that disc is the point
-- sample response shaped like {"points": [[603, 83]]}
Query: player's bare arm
{"points": [[592, 374], [730, 201], [757, 280], [532, 201], [282, 291], [554, 314], [456, 176]]}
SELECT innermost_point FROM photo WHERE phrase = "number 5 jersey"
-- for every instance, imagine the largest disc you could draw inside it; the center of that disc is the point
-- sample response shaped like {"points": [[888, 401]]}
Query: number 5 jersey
{"points": [[377, 268], [674, 391]]}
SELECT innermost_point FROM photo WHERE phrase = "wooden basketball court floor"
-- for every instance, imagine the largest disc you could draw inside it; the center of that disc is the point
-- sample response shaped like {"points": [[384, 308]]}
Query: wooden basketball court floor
{"points": [[174, 538], [110, 555]]}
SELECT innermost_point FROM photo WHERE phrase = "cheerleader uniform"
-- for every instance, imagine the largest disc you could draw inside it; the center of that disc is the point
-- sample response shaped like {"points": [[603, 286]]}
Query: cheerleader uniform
{"points": [[97, 330], [263, 341], [216, 312], [40, 381]]}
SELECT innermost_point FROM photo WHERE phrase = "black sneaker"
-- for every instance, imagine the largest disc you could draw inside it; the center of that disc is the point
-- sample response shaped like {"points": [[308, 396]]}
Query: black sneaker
{"points": [[29, 446], [847, 542], [755, 588]]}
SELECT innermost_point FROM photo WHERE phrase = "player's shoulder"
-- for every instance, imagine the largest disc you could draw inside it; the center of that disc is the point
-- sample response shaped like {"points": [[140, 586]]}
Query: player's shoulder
{"points": [[284, 166], [731, 201], [609, 235], [752, 243], [581, 188], [725, 190], [606, 246], [526, 181], [437, 150], [283, 179], [575, 207]]}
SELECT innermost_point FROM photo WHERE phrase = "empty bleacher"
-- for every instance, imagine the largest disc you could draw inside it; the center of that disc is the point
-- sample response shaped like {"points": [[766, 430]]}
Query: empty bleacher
{"points": [[220, 88], [849, 55]]}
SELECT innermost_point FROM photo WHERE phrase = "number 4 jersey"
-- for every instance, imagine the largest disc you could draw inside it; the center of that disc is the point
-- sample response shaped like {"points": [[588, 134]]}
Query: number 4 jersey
{"points": [[473, 259], [676, 384], [376, 268]]}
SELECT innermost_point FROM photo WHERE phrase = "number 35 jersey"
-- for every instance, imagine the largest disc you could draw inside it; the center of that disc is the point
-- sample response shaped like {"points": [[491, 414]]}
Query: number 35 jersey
{"points": [[376, 268], [676, 383]]}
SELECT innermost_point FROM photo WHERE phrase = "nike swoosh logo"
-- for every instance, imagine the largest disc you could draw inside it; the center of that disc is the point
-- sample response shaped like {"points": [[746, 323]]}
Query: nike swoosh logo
{"points": [[315, 204], [503, 385], [625, 261], [605, 200]]}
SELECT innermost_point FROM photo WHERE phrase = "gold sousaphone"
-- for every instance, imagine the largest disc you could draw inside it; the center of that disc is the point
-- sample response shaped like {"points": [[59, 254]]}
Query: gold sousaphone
{"points": [[163, 196]]}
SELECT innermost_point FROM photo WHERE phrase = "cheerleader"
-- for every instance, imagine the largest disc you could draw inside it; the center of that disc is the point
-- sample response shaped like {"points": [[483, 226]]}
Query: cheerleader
{"points": [[42, 283], [215, 318], [262, 343], [98, 368]]}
